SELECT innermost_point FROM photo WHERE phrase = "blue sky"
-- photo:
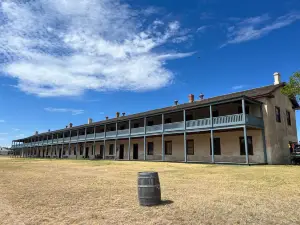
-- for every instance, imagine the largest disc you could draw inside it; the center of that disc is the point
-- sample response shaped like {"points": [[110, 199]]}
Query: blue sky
{"points": [[66, 61]]}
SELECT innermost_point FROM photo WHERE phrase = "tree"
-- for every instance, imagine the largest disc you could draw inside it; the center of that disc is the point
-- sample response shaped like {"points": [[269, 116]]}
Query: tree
{"points": [[292, 88]]}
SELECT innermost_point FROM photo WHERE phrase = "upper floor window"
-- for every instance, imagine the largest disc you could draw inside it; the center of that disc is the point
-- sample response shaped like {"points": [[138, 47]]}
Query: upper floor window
{"points": [[247, 109], [215, 113], [122, 127], [288, 118], [277, 114], [136, 125], [168, 120], [150, 123], [189, 117]]}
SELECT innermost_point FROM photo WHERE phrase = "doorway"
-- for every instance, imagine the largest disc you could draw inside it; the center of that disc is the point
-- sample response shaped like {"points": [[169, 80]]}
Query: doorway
{"points": [[87, 152], [101, 151], [121, 153], [60, 152], [135, 151]]}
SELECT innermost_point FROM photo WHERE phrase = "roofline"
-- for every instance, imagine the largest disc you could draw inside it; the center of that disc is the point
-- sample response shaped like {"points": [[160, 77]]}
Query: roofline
{"points": [[189, 106]]}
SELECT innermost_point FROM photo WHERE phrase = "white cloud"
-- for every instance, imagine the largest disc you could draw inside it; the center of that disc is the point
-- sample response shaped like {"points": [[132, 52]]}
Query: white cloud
{"points": [[65, 110], [202, 29], [63, 48], [3, 133], [256, 27], [20, 136], [238, 87], [2, 121], [16, 129]]}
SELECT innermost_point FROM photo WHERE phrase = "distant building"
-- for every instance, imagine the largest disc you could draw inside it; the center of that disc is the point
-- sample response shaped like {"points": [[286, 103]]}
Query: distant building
{"points": [[252, 126], [4, 151]]}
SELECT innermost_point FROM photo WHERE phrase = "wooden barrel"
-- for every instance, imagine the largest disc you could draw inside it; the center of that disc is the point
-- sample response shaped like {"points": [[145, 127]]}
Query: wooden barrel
{"points": [[149, 188]]}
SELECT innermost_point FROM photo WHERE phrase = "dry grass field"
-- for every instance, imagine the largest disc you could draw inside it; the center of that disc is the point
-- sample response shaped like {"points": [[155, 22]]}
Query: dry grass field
{"points": [[35, 191]]}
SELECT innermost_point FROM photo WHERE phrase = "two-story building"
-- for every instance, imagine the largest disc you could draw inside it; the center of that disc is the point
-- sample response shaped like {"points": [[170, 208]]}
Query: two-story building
{"points": [[251, 127]]}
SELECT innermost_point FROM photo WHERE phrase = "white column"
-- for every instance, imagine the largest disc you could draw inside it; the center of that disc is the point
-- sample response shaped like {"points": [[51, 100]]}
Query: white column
{"points": [[84, 145], [245, 132], [145, 125], [94, 145], [212, 136], [162, 138], [184, 137], [129, 140]]}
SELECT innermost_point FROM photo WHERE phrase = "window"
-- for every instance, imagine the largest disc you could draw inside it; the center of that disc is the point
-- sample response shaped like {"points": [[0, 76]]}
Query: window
{"points": [[190, 147], [242, 146], [150, 148], [189, 117], [74, 150], [217, 146], [247, 109], [277, 114], [215, 113], [111, 149], [136, 125], [81, 150], [47, 152], [69, 153], [168, 147], [64, 151], [112, 129], [288, 118], [150, 123], [168, 120], [122, 127]]}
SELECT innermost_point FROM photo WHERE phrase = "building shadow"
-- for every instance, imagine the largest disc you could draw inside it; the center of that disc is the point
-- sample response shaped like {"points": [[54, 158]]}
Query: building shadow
{"points": [[166, 202]]}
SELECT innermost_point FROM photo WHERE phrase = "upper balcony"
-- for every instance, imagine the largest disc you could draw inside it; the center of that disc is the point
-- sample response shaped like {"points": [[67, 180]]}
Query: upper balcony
{"points": [[223, 116]]}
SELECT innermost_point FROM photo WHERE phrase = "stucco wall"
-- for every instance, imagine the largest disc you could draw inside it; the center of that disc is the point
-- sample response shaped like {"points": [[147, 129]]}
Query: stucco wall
{"points": [[278, 135]]}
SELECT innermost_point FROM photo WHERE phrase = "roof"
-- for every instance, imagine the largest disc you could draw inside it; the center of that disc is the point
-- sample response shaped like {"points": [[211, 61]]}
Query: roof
{"points": [[251, 94]]}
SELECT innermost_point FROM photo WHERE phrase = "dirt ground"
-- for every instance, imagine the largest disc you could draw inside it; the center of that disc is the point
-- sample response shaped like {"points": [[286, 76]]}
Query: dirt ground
{"points": [[36, 191]]}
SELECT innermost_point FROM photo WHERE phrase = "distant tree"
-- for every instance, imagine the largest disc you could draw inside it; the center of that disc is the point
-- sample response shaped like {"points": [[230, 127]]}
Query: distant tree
{"points": [[292, 88]]}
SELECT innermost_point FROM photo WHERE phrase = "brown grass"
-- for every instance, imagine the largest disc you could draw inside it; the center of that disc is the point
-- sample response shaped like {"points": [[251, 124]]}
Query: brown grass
{"points": [[104, 192]]}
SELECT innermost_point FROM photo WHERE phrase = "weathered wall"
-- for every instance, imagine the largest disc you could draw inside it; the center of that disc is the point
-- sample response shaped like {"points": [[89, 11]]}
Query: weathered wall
{"points": [[278, 135]]}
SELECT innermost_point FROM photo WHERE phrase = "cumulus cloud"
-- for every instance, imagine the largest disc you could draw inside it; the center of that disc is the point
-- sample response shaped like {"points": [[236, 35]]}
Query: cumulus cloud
{"points": [[238, 87], [63, 48], [65, 110], [256, 27], [2, 121]]}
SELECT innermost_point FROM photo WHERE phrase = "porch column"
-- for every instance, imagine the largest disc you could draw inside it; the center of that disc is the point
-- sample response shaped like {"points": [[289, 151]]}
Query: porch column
{"points": [[104, 141], [70, 143], [129, 140], [52, 146], [77, 144], [116, 140], [162, 138], [212, 135], [84, 145], [62, 145], [184, 136], [263, 136], [145, 125], [245, 132], [94, 145]]}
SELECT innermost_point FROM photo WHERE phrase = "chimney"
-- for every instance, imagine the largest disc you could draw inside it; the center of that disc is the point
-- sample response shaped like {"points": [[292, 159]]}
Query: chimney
{"points": [[123, 114], [106, 117], [191, 98], [90, 120], [70, 125], [117, 114], [201, 96], [176, 102], [277, 79], [66, 126], [36, 133], [48, 130]]}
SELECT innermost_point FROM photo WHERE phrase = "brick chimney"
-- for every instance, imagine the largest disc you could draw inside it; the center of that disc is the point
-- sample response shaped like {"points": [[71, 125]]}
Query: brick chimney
{"points": [[90, 120], [70, 125], [106, 117], [36, 133], [176, 102], [117, 114], [48, 130], [277, 78], [191, 98], [123, 114]]}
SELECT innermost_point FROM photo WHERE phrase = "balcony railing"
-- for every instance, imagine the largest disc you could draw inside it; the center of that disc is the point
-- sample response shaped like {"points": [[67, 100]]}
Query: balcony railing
{"points": [[154, 128], [221, 121]]}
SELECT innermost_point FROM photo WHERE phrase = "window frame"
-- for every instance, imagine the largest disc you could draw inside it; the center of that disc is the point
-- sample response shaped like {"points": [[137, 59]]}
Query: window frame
{"points": [[150, 151], [242, 146], [168, 151], [247, 109], [187, 147], [277, 117], [288, 118]]}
